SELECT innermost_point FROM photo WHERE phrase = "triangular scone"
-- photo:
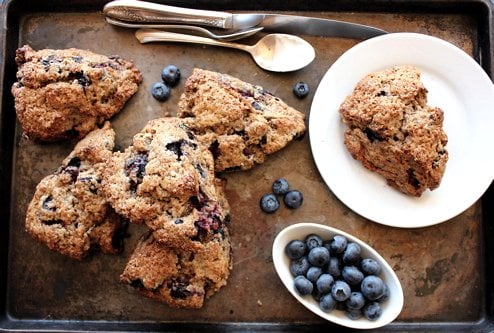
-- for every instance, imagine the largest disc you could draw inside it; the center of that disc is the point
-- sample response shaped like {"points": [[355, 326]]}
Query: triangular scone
{"points": [[239, 122], [68, 212], [166, 180], [393, 131], [65, 94], [179, 278]]}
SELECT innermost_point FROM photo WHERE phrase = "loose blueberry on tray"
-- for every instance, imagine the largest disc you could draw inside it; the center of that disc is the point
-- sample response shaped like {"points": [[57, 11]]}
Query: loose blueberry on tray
{"points": [[171, 75], [292, 198], [301, 89], [269, 203], [160, 91]]}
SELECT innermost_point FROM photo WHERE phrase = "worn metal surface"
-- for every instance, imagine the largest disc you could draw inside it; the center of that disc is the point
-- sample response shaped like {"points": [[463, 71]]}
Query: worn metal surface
{"points": [[440, 267]]}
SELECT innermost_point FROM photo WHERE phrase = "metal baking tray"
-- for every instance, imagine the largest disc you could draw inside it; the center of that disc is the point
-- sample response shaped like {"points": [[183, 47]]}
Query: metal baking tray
{"points": [[446, 270]]}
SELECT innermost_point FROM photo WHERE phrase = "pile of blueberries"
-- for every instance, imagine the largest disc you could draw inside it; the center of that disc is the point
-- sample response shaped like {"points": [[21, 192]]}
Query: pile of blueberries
{"points": [[292, 198], [335, 274], [170, 76]]}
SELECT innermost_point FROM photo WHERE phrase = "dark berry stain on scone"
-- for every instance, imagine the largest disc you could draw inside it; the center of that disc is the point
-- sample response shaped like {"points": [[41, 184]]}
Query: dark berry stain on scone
{"points": [[178, 288], [48, 204], [177, 147], [135, 169]]}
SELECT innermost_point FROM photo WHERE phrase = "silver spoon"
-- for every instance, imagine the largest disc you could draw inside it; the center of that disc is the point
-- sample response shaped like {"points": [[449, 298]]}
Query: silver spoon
{"points": [[273, 52], [225, 35]]}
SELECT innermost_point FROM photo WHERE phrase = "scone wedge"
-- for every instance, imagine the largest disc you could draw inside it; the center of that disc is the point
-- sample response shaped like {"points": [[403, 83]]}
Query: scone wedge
{"points": [[394, 132], [239, 122], [65, 94], [68, 212]]}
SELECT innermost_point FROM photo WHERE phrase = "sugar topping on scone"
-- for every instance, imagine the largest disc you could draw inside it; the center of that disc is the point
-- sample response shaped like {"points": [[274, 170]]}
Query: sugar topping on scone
{"points": [[239, 122], [65, 94], [394, 132], [68, 212]]}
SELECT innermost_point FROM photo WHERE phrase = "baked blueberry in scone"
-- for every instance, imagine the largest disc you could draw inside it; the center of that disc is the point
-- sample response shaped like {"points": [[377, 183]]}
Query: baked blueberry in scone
{"points": [[239, 122], [68, 212], [182, 279], [65, 94], [166, 180], [394, 132]]}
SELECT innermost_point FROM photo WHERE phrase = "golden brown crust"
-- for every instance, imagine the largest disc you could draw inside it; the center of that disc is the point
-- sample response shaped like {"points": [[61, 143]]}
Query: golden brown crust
{"points": [[393, 131], [62, 94]]}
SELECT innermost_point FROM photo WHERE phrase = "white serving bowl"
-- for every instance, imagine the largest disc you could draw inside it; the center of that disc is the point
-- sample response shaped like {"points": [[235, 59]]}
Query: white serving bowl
{"points": [[391, 307]]}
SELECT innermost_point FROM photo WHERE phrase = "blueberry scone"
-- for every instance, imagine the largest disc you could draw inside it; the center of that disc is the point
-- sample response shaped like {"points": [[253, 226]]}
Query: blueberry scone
{"points": [[166, 180], [239, 122], [64, 94], [394, 132], [68, 212], [179, 278]]}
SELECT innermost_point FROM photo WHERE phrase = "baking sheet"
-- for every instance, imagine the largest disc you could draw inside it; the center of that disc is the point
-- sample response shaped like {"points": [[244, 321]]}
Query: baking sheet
{"points": [[442, 268]]}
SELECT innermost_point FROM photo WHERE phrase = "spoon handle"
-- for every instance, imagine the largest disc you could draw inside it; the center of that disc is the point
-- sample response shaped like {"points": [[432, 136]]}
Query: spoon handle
{"points": [[148, 12], [153, 35], [225, 35]]}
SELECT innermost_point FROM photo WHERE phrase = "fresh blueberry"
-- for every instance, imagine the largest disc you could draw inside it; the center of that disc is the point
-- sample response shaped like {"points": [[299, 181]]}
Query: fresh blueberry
{"points": [[293, 199], [338, 244], [372, 311], [160, 91], [301, 89], [372, 287], [319, 256], [295, 249], [324, 283], [303, 286], [280, 186], [299, 266], [351, 255], [353, 314], [312, 241], [385, 295], [355, 301], [314, 273], [327, 244], [334, 267], [171, 75], [341, 290], [327, 303], [269, 203], [352, 275], [370, 266]]}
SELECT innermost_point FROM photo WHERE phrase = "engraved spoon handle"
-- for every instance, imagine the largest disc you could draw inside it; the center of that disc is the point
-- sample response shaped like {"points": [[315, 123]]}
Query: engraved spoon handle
{"points": [[147, 12]]}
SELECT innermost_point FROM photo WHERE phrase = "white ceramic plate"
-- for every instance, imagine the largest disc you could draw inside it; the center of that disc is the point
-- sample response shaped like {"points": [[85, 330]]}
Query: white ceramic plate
{"points": [[456, 83], [391, 307]]}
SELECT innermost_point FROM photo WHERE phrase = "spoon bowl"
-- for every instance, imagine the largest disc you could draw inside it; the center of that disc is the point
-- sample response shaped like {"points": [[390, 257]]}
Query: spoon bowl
{"points": [[391, 307], [273, 52]]}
